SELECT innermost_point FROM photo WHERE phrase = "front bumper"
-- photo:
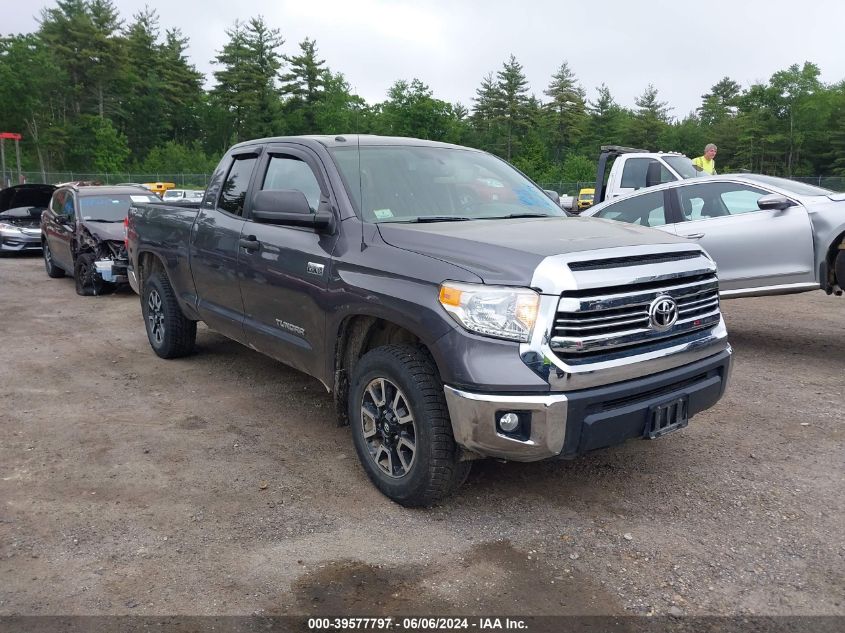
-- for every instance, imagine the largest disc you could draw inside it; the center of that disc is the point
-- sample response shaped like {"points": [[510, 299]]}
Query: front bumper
{"points": [[112, 270], [19, 242], [568, 424]]}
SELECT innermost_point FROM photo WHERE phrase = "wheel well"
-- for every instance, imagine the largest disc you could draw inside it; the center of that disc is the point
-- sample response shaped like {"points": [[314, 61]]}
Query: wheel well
{"points": [[357, 336], [147, 265], [835, 265]]}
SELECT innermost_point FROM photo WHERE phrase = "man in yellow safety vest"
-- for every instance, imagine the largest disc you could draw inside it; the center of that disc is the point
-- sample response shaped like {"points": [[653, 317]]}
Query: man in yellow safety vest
{"points": [[707, 163]]}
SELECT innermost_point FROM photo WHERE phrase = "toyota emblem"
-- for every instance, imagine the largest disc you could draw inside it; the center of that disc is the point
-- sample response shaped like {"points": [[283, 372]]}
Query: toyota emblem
{"points": [[663, 313]]}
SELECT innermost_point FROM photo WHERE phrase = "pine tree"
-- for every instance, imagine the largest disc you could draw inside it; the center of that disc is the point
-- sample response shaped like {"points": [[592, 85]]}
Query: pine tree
{"points": [[305, 82], [566, 111], [513, 95]]}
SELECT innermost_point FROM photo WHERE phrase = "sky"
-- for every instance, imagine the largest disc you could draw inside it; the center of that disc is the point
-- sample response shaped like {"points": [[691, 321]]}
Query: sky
{"points": [[682, 48]]}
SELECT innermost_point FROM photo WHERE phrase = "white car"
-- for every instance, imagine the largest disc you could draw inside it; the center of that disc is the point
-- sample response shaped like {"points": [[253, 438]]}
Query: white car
{"points": [[172, 195], [767, 235]]}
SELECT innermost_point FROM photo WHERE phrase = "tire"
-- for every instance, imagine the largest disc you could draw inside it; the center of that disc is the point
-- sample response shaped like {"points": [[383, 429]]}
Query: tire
{"points": [[839, 269], [170, 333], [89, 283], [53, 270], [405, 440]]}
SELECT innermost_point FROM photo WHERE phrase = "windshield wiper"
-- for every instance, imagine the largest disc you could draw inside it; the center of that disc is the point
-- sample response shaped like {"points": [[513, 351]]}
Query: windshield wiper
{"points": [[425, 219], [521, 215], [102, 220]]}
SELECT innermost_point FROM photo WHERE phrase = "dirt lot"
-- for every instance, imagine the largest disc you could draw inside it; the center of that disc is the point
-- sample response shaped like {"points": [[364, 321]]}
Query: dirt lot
{"points": [[219, 484]]}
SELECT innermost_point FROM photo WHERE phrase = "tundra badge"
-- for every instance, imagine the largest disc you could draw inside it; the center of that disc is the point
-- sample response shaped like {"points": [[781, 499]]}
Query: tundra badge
{"points": [[290, 327]]}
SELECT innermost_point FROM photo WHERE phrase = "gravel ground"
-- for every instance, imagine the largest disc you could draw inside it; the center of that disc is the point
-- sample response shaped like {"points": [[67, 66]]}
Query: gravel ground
{"points": [[219, 484]]}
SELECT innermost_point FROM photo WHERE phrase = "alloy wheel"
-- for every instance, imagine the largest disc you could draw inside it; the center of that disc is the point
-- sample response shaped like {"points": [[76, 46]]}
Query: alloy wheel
{"points": [[155, 316], [389, 428]]}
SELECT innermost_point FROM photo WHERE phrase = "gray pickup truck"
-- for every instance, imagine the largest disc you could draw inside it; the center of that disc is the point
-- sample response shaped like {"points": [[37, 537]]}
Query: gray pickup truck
{"points": [[450, 306]]}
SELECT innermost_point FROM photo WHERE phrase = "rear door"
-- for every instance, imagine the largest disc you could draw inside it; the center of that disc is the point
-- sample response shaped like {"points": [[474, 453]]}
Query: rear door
{"points": [[215, 249], [647, 209], [285, 275], [752, 248]]}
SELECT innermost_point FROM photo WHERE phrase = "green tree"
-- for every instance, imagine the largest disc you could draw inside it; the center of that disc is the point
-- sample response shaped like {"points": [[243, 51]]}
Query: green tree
{"points": [[566, 112], [650, 120], [605, 121], [246, 87], [512, 106], [305, 83]]}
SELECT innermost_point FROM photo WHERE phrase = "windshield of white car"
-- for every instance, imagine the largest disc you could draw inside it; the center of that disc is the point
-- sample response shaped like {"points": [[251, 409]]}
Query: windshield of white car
{"points": [[105, 208], [437, 184], [792, 186], [683, 166]]}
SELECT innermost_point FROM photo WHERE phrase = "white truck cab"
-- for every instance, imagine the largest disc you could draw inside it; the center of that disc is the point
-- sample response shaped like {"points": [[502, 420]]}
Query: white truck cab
{"points": [[634, 169]]}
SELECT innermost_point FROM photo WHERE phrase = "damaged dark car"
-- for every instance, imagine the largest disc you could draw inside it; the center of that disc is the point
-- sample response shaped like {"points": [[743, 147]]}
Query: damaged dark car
{"points": [[20, 213], [82, 235]]}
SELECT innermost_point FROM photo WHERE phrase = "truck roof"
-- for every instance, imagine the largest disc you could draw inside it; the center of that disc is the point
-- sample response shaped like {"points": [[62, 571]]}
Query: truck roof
{"points": [[346, 140]]}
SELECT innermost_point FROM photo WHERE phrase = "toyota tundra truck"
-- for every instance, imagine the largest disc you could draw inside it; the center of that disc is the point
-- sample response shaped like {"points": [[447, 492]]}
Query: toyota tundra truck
{"points": [[450, 306]]}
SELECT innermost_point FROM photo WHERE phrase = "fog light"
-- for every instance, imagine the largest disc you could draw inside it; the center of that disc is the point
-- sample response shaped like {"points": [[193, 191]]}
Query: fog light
{"points": [[509, 422]]}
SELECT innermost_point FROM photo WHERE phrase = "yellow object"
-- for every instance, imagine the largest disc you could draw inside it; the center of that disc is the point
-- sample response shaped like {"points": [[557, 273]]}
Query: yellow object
{"points": [[450, 296], [707, 166], [159, 187], [585, 198]]}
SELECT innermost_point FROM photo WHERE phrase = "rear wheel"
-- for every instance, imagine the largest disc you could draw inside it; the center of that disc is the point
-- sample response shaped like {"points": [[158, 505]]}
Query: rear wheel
{"points": [[88, 280], [52, 269], [401, 427], [170, 333]]}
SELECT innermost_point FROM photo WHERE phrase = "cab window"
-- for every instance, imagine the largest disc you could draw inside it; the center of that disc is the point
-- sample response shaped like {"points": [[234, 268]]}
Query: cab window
{"points": [[635, 171], [233, 191], [289, 172]]}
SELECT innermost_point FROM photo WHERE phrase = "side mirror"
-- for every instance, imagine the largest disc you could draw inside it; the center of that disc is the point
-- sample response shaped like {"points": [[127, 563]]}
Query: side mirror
{"points": [[288, 207], [774, 202], [553, 195]]}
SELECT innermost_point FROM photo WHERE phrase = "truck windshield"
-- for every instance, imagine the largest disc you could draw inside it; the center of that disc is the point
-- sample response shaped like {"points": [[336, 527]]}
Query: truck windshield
{"points": [[401, 183], [683, 166], [110, 208]]}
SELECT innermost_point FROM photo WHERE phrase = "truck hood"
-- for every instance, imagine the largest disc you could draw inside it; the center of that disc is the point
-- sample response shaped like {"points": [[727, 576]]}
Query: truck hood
{"points": [[507, 251]]}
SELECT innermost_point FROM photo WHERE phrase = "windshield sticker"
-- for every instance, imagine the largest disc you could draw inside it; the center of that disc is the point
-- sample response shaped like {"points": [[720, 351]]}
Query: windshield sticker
{"points": [[383, 214], [529, 196], [140, 198]]}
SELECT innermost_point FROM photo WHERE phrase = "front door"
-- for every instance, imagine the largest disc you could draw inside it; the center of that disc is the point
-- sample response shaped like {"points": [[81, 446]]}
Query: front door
{"points": [[59, 228], [215, 251], [752, 248], [284, 278]]}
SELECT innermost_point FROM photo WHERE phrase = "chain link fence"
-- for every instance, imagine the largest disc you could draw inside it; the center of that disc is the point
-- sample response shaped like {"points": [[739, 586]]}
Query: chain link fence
{"points": [[181, 180]]}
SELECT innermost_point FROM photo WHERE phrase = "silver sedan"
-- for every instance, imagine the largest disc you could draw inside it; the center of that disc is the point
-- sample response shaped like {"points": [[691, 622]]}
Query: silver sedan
{"points": [[767, 235]]}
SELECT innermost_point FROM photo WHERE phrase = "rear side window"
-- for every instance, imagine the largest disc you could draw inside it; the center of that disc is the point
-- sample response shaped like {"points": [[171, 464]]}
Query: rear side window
{"points": [[233, 191], [645, 210]]}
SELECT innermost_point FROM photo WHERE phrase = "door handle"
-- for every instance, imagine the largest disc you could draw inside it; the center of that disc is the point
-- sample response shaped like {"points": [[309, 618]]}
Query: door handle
{"points": [[693, 236], [250, 243]]}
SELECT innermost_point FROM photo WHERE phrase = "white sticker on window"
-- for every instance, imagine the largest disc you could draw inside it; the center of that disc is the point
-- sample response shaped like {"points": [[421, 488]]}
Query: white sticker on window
{"points": [[140, 198], [382, 214]]}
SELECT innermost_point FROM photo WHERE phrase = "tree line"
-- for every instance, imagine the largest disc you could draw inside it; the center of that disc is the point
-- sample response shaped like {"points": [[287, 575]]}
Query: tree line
{"points": [[93, 92]]}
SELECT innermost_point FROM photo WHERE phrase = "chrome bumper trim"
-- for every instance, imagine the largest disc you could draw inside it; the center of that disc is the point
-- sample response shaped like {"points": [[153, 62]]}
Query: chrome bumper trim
{"points": [[474, 424]]}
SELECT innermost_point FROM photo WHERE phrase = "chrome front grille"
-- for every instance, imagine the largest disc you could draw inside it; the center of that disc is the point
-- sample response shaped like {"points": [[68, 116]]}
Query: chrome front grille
{"points": [[601, 320]]}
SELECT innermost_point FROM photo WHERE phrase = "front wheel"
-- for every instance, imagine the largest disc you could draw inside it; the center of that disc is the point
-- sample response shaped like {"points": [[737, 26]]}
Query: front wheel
{"points": [[88, 280], [401, 427], [170, 333]]}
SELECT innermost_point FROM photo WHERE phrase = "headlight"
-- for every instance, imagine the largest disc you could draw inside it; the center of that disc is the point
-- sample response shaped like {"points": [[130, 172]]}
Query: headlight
{"points": [[499, 311], [9, 228]]}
